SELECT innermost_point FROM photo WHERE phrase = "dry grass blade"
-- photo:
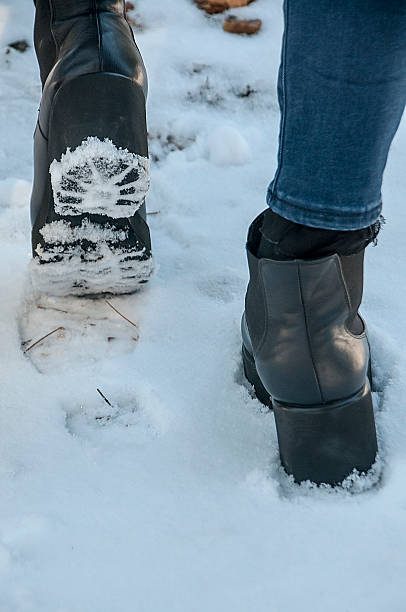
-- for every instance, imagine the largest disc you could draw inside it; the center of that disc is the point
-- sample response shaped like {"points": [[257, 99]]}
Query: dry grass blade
{"points": [[43, 338], [121, 315]]}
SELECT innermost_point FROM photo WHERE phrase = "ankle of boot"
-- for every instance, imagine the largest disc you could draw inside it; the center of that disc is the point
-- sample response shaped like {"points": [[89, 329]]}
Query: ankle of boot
{"points": [[281, 239]]}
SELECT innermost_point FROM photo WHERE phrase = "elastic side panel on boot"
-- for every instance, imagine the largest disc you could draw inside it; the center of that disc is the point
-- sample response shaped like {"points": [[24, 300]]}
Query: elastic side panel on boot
{"points": [[340, 358], [99, 178]]}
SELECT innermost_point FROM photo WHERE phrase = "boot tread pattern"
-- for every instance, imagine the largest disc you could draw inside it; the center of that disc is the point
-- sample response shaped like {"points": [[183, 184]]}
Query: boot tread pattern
{"points": [[99, 178]]}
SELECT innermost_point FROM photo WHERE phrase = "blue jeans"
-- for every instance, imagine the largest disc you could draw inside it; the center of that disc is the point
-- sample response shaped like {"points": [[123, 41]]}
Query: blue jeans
{"points": [[342, 91]]}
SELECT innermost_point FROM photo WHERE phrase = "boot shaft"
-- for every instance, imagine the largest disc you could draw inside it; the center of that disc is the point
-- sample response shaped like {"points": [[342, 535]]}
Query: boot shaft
{"points": [[95, 31]]}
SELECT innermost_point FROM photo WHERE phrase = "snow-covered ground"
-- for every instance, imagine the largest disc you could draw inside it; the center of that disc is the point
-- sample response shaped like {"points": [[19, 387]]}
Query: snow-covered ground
{"points": [[172, 499]]}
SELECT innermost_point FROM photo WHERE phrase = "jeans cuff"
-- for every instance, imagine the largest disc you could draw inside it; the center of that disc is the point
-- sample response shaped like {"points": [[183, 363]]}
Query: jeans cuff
{"points": [[328, 217]]}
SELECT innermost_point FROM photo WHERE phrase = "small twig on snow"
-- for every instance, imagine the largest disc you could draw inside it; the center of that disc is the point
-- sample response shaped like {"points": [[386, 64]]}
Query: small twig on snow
{"points": [[43, 338], [104, 397], [121, 315], [51, 308]]}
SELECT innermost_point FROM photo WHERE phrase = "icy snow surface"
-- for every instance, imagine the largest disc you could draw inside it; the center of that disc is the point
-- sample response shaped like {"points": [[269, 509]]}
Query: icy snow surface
{"points": [[171, 499]]}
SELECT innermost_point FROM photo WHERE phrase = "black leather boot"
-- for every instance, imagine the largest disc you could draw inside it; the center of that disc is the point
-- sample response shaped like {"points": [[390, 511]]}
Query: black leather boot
{"points": [[306, 352], [91, 167]]}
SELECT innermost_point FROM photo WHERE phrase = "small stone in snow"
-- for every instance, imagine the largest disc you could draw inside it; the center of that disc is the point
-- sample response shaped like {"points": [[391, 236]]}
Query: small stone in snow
{"points": [[19, 45], [234, 25], [219, 6]]}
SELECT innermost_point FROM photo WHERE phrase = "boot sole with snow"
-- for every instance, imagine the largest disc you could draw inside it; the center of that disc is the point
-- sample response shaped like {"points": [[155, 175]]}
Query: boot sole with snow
{"points": [[324, 443], [90, 234]]}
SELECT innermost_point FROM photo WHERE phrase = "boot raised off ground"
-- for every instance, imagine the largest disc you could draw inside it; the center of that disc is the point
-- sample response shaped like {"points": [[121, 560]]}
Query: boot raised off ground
{"points": [[305, 347], [91, 167]]}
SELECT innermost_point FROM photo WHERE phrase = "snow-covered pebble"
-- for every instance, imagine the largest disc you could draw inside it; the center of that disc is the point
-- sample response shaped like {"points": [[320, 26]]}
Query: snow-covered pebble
{"points": [[227, 147]]}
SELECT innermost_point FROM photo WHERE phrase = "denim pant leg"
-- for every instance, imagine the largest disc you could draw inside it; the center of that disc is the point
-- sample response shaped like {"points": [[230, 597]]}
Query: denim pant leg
{"points": [[342, 91]]}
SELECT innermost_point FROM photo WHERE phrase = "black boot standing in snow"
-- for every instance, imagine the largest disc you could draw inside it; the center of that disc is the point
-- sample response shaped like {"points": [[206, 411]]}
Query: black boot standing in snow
{"points": [[91, 167], [305, 347]]}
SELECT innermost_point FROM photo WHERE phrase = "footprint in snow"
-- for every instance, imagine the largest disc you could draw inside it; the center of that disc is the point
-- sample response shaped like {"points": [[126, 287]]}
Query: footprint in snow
{"points": [[224, 286], [64, 333], [102, 413]]}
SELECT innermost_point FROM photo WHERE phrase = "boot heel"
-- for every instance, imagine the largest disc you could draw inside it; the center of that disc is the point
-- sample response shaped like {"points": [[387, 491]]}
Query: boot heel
{"points": [[324, 444], [98, 152], [251, 375]]}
